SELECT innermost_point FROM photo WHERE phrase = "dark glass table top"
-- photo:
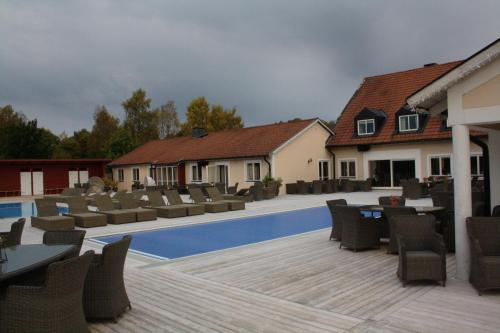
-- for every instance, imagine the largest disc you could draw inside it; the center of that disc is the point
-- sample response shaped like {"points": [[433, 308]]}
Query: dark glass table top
{"points": [[25, 258], [419, 209]]}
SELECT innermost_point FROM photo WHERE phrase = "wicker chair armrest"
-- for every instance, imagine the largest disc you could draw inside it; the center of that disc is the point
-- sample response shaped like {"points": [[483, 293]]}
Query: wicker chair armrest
{"points": [[96, 259], [402, 247], [476, 248], [18, 292], [438, 245]]}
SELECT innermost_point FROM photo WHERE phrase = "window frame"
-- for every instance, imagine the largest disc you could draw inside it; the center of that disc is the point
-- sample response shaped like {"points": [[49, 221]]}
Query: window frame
{"points": [[440, 157], [198, 173], [253, 168], [408, 116], [321, 176], [121, 175], [348, 168], [365, 122], [134, 179], [478, 165]]}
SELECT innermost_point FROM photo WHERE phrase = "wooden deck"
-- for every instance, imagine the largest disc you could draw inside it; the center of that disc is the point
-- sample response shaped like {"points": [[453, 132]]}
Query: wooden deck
{"points": [[297, 284]]}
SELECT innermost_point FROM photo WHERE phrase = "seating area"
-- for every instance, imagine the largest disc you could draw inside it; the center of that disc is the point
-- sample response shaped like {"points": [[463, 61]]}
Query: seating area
{"points": [[329, 186]]}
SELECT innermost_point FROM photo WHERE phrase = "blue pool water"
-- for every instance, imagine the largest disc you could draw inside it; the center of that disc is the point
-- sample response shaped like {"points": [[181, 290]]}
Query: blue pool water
{"points": [[22, 209], [184, 241]]}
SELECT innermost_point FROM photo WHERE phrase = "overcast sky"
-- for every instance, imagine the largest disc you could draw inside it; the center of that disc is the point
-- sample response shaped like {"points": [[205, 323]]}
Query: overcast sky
{"points": [[272, 59]]}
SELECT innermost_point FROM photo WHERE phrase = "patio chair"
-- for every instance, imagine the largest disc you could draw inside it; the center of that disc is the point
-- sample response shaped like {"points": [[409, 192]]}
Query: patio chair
{"points": [[336, 232], [326, 186], [412, 190], [156, 202], [348, 185], [215, 195], [257, 191], [334, 184], [232, 189], [13, 237], [115, 216], [392, 200], [128, 203], [104, 294], [65, 237], [365, 185], [245, 194], [302, 187], [422, 253], [484, 236], [496, 211], [55, 306], [221, 187], [175, 199], [358, 232], [388, 226], [48, 217], [138, 196], [443, 199], [77, 209], [291, 188], [210, 207], [317, 187], [269, 191]]}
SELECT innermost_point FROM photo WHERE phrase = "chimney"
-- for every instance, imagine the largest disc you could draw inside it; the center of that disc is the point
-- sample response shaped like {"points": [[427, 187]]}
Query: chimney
{"points": [[198, 132], [430, 64]]}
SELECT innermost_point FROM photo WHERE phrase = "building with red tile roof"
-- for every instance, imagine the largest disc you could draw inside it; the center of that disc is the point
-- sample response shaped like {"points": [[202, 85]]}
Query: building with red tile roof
{"points": [[289, 150], [378, 136]]}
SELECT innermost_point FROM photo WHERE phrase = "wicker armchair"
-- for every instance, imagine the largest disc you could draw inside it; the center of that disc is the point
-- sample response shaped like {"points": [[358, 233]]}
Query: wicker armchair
{"points": [[388, 225], [291, 188], [104, 294], [232, 189], [53, 307], [327, 186], [65, 237], [422, 253], [348, 185], [391, 200], [412, 190], [302, 187], [317, 187], [358, 232], [484, 236], [336, 219], [496, 211], [257, 191], [13, 237]]}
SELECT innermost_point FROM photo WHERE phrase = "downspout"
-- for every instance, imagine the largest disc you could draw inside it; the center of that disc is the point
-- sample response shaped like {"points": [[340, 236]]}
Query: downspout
{"points": [[268, 166], [487, 189], [333, 157]]}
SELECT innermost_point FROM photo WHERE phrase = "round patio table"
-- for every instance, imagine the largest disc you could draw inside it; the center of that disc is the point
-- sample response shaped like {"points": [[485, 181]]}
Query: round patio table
{"points": [[419, 209], [25, 258]]}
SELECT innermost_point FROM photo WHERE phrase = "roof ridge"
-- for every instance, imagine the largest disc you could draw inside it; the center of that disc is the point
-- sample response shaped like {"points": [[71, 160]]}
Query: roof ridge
{"points": [[267, 125], [415, 69]]}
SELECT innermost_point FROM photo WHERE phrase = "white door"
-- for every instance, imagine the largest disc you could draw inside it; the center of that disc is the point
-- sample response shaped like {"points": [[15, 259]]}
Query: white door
{"points": [[26, 183], [37, 182], [84, 176], [73, 178]]}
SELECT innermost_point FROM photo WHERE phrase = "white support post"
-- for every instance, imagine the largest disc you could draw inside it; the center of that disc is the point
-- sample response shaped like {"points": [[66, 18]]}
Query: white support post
{"points": [[463, 197]]}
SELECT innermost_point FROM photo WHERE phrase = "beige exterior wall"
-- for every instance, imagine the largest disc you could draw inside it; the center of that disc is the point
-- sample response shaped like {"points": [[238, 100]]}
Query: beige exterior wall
{"points": [[420, 152], [126, 184], [299, 159], [487, 94]]}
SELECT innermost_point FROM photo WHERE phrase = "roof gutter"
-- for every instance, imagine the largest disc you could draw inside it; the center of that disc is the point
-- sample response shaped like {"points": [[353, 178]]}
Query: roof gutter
{"points": [[268, 166]]}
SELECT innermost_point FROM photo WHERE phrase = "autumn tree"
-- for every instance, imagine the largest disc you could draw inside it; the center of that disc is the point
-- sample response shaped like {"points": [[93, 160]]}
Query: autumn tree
{"points": [[120, 143], [105, 125], [168, 122], [221, 119], [140, 121], [197, 115], [76, 146]]}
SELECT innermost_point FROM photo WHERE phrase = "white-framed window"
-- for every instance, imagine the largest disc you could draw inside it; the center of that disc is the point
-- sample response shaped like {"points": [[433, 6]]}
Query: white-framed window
{"points": [[252, 171], [347, 168], [324, 169], [476, 165], [166, 175], [135, 174], [440, 165], [196, 173], [366, 126], [120, 175], [408, 123]]}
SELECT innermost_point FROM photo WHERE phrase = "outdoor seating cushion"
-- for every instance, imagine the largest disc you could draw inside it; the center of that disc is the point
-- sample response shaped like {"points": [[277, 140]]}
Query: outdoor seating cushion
{"points": [[171, 211], [423, 265], [49, 223], [491, 267], [88, 220], [118, 216]]}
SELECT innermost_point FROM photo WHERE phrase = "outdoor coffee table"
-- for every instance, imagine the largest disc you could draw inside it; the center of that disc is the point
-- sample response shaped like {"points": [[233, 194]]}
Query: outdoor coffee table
{"points": [[26, 258]]}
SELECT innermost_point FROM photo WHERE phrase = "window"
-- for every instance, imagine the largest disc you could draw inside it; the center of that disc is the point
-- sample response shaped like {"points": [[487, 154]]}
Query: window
{"points": [[408, 123], [324, 170], [348, 169], [476, 165], [252, 171], [196, 175], [135, 174], [366, 126], [166, 175], [440, 166], [120, 175]]}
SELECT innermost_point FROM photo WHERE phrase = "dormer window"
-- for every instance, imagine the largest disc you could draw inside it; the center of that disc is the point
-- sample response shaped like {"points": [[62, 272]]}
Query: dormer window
{"points": [[408, 123], [366, 127]]}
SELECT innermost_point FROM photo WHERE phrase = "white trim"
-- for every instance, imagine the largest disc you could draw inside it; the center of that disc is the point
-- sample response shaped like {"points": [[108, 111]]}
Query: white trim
{"points": [[191, 178], [305, 129], [346, 159], [429, 166], [408, 116], [366, 121], [245, 169], [138, 174], [228, 165], [393, 155], [118, 175], [329, 168]]}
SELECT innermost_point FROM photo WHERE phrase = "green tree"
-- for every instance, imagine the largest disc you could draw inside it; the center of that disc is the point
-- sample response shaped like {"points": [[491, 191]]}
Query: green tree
{"points": [[197, 115], [120, 143], [168, 122], [140, 121], [105, 125], [27, 140], [76, 146], [221, 119]]}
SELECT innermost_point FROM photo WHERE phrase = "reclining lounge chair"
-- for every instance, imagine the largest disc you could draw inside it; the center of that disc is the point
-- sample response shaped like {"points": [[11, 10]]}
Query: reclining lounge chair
{"points": [[48, 217], [83, 217], [210, 207], [114, 216], [175, 199], [156, 202], [128, 203], [215, 195]]}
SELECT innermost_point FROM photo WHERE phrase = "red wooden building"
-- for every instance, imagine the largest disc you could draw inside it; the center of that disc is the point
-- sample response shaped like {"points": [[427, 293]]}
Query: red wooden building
{"points": [[43, 176]]}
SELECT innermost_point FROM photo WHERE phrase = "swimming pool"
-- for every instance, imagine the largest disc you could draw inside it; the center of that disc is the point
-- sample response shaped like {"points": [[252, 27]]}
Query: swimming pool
{"points": [[178, 242], [22, 209]]}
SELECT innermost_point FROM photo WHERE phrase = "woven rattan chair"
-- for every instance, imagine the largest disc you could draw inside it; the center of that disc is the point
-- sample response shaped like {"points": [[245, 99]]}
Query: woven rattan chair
{"points": [[232, 189], [326, 186], [171, 211], [358, 232], [422, 253], [388, 225], [65, 237], [53, 307], [348, 185], [13, 237], [128, 203], [484, 236], [291, 188], [302, 187], [114, 216], [412, 190], [84, 218], [104, 295], [48, 217], [496, 211], [336, 232], [175, 199], [210, 207], [257, 191], [215, 195], [391, 200], [317, 187]]}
